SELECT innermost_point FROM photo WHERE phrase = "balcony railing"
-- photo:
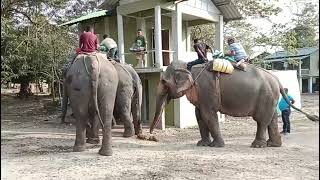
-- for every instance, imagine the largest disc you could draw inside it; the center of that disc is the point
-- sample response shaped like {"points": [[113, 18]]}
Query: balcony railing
{"points": [[305, 71]]}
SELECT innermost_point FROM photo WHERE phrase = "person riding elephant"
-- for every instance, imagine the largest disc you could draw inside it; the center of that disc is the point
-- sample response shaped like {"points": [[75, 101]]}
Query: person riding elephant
{"points": [[256, 95]]}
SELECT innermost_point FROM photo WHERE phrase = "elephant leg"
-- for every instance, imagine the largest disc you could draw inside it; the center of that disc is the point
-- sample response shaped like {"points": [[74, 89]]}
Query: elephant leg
{"points": [[136, 114], [81, 118], [273, 131], [93, 131], [124, 108], [211, 119], [204, 131], [260, 140], [106, 115], [128, 125]]}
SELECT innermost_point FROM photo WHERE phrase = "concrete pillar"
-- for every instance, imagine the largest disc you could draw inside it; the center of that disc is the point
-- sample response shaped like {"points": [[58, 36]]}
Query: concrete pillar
{"points": [[177, 32], [120, 37], [219, 46], [219, 34], [300, 76], [310, 85], [106, 25], [157, 37], [188, 37]]}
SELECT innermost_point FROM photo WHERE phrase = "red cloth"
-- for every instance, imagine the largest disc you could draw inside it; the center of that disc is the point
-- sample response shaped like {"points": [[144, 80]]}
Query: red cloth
{"points": [[78, 50], [88, 42]]}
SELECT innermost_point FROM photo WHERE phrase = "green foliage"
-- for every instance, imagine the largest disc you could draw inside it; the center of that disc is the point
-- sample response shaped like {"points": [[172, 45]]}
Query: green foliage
{"points": [[204, 32], [241, 29], [33, 51]]}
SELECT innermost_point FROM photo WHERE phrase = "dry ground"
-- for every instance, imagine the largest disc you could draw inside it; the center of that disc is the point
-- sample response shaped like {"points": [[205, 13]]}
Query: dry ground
{"points": [[35, 146]]}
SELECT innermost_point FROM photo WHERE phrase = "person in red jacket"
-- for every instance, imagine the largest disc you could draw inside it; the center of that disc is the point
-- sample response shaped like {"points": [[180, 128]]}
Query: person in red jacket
{"points": [[88, 41]]}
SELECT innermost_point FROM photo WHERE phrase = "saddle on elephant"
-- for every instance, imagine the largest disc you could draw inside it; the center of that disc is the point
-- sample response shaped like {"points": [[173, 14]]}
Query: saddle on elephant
{"points": [[225, 64]]}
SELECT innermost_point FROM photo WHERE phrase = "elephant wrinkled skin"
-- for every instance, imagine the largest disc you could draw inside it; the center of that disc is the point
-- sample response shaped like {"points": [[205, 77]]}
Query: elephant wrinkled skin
{"points": [[91, 84], [127, 105], [254, 92]]}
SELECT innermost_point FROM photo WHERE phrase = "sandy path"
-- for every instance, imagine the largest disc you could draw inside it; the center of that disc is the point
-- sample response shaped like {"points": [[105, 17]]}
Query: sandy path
{"points": [[35, 146]]}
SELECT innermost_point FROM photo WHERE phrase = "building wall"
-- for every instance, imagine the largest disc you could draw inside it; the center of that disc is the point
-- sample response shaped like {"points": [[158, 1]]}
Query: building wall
{"points": [[314, 64], [205, 5]]}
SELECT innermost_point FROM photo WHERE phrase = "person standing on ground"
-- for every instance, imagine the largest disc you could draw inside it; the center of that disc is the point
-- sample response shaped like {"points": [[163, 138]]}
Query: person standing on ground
{"points": [[285, 112]]}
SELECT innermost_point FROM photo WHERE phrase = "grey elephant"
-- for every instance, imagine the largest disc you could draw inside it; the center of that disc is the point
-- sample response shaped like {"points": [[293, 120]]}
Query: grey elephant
{"points": [[91, 84], [252, 93], [127, 105]]}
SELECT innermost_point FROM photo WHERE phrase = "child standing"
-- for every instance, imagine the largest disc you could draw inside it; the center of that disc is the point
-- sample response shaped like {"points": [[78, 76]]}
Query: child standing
{"points": [[285, 112]]}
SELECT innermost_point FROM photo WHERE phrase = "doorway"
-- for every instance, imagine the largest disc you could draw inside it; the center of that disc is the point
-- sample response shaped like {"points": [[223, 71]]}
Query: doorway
{"points": [[165, 35]]}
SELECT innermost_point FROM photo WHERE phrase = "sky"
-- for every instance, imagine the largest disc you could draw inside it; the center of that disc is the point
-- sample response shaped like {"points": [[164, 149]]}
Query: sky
{"points": [[288, 10]]}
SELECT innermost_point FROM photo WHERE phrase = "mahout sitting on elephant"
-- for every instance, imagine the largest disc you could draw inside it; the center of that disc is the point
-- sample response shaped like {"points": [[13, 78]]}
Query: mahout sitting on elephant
{"points": [[254, 92]]}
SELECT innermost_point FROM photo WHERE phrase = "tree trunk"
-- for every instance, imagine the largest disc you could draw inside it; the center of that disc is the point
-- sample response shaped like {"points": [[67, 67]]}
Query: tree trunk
{"points": [[25, 90]]}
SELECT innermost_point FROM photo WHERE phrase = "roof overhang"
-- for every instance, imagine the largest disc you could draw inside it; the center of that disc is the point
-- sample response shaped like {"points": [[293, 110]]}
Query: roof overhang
{"points": [[286, 58], [92, 15], [228, 10]]}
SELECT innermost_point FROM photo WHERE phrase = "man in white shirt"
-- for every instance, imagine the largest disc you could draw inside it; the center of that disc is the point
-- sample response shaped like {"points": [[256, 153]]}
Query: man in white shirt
{"points": [[110, 46]]}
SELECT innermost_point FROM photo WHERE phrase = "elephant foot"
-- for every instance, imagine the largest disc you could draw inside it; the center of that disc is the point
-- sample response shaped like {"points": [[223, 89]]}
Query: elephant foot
{"points": [[78, 148], [259, 144], [205, 142], [93, 141], [217, 143], [105, 152], [141, 136], [128, 132], [271, 143]]}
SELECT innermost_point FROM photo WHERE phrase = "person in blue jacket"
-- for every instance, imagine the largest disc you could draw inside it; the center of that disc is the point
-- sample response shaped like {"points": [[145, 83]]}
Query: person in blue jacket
{"points": [[285, 112]]}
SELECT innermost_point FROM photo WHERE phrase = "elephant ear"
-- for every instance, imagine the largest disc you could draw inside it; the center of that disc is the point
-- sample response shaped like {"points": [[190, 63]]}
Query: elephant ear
{"points": [[183, 80]]}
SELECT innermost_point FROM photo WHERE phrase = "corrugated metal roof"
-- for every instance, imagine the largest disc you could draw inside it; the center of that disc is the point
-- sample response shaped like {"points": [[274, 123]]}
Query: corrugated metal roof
{"points": [[108, 4], [286, 58], [86, 17], [286, 54], [228, 10]]}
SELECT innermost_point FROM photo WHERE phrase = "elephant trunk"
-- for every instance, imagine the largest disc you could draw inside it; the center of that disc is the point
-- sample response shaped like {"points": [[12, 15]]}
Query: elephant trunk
{"points": [[161, 100], [311, 117]]}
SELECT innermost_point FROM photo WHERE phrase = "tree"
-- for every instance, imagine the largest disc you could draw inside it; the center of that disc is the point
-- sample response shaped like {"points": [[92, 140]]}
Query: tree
{"points": [[240, 29], [35, 51]]}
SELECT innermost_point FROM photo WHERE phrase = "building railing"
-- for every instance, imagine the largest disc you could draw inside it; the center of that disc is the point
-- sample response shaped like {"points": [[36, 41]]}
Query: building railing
{"points": [[305, 71]]}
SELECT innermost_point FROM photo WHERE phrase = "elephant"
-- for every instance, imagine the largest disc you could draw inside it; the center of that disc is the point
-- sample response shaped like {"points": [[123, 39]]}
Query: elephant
{"points": [[253, 92], [127, 105], [128, 102], [91, 84]]}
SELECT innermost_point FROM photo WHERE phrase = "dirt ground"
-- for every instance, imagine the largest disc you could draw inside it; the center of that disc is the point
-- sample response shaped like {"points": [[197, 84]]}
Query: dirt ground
{"points": [[35, 146]]}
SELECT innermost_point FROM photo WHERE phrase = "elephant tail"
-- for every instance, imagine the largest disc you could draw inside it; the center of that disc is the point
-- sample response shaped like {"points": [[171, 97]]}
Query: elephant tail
{"points": [[94, 76], [136, 107], [284, 95]]}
